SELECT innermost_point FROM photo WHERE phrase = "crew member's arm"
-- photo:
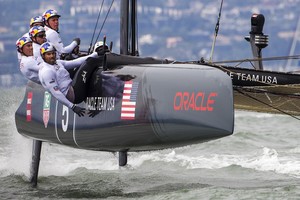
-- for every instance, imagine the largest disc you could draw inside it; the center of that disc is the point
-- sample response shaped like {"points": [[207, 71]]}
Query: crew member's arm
{"points": [[29, 68], [33, 65], [70, 64], [48, 78], [55, 39]]}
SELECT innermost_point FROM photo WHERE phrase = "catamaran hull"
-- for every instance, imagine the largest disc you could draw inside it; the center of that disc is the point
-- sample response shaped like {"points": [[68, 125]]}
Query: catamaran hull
{"points": [[265, 91], [143, 107], [251, 77]]}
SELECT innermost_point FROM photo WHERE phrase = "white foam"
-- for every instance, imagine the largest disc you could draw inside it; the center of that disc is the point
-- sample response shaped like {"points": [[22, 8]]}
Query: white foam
{"points": [[271, 161], [264, 160], [295, 150], [249, 114], [17, 160], [60, 160]]}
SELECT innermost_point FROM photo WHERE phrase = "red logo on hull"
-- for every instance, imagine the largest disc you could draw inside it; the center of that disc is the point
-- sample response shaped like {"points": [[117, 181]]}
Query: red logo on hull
{"points": [[28, 106], [194, 101]]}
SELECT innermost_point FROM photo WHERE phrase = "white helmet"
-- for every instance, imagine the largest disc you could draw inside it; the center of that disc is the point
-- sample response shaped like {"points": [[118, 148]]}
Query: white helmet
{"points": [[36, 19], [22, 41], [35, 30], [99, 44], [50, 13], [46, 47]]}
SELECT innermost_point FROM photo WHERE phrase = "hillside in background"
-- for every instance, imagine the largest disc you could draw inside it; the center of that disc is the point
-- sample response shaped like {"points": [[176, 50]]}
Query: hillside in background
{"points": [[180, 30]]}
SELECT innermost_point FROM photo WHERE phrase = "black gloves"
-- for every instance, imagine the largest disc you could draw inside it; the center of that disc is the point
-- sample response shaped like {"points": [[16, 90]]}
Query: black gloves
{"points": [[81, 111], [93, 113], [78, 110], [77, 40]]}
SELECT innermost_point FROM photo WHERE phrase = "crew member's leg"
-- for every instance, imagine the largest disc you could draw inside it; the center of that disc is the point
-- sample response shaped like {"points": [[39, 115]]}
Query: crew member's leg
{"points": [[72, 72], [83, 76], [95, 91], [95, 85]]}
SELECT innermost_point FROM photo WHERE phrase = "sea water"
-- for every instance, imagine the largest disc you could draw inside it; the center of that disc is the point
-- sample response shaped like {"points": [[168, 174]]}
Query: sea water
{"points": [[261, 160]]}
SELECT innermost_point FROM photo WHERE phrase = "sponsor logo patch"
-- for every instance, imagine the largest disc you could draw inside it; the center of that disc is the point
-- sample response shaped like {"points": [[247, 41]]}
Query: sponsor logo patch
{"points": [[199, 101], [100, 103], [46, 108], [84, 76], [28, 106]]}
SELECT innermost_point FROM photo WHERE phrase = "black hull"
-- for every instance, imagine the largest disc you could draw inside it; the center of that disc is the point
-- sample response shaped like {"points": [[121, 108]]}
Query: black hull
{"points": [[265, 91], [174, 107], [251, 77]]}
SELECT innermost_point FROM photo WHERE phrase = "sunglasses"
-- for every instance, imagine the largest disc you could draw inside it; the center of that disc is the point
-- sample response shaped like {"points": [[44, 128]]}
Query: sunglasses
{"points": [[41, 35]]}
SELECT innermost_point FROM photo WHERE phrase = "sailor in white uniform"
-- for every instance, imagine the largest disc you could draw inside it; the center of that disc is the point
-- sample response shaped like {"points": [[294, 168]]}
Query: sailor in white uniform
{"points": [[18, 53], [38, 37], [56, 79], [28, 65], [35, 21], [51, 21]]}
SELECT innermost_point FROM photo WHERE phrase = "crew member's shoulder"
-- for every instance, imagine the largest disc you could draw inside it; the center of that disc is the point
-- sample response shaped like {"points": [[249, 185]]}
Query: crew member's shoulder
{"points": [[45, 67], [51, 32], [28, 59]]}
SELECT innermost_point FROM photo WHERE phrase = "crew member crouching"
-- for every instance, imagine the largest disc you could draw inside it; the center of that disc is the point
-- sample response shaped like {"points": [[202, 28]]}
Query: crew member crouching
{"points": [[56, 79]]}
